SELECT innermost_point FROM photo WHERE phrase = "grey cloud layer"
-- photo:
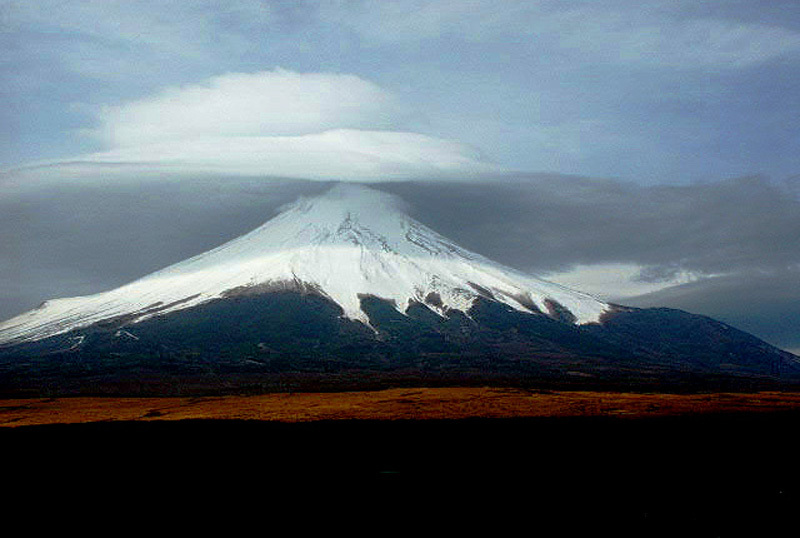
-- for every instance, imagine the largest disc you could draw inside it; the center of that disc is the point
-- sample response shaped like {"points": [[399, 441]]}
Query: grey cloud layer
{"points": [[545, 223]]}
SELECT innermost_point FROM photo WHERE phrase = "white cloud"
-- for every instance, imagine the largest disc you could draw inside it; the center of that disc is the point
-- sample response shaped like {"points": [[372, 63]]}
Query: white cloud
{"points": [[615, 281], [342, 154], [277, 123], [268, 103]]}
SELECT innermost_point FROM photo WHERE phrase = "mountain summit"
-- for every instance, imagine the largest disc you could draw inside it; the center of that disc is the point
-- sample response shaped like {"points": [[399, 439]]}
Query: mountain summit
{"points": [[347, 291], [346, 244]]}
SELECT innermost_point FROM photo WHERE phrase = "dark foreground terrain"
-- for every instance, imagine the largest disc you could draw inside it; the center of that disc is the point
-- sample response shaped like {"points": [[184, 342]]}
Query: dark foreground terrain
{"points": [[729, 474], [290, 342]]}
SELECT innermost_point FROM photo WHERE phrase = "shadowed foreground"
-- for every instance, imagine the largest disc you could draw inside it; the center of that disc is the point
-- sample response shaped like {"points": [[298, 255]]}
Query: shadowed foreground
{"points": [[559, 463], [703, 474]]}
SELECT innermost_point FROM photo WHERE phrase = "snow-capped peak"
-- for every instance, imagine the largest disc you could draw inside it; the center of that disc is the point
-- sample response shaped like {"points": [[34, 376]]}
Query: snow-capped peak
{"points": [[350, 242]]}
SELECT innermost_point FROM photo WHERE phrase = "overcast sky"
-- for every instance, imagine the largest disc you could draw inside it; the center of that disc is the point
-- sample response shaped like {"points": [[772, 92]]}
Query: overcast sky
{"points": [[646, 152]]}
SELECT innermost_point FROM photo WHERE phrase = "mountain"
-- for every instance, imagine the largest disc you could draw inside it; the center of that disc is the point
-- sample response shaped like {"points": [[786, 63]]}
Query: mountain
{"points": [[347, 282], [350, 242]]}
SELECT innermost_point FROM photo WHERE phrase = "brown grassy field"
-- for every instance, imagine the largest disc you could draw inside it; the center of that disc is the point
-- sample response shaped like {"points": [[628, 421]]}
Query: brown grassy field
{"points": [[392, 404]]}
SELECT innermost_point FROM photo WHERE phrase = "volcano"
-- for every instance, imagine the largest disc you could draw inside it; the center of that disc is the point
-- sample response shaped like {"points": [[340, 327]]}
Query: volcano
{"points": [[349, 243], [348, 282]]}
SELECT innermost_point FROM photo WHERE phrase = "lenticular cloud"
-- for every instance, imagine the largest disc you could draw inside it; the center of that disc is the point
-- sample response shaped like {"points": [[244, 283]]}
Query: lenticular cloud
{"points": [[275, 123], [343, 154], [269, 103]]}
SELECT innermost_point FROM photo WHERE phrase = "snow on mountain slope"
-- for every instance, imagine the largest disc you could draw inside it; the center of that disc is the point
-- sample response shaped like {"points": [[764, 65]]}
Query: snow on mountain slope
{"points": [[349, 242]]}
